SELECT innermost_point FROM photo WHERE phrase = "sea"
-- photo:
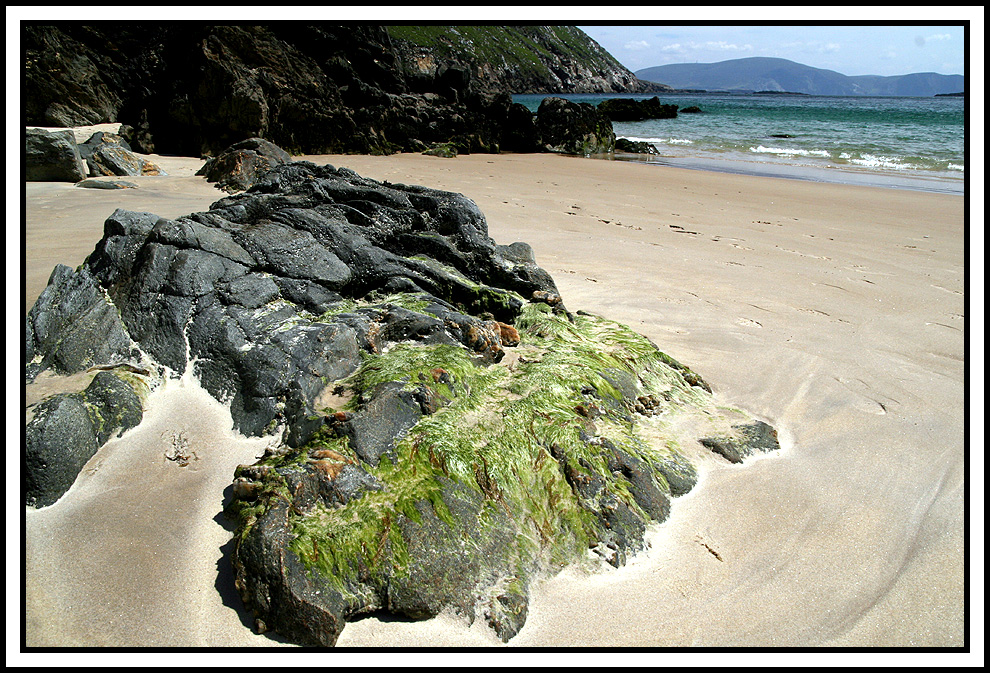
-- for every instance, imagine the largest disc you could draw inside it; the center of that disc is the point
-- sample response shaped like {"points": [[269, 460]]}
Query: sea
{"points": [[896, 142]]}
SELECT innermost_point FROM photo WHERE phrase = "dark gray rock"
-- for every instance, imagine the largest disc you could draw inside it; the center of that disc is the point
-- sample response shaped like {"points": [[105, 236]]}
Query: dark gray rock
{"points": [[443, 572], [73, 325], [92, 183], [745, 440], [573, 128], [298, 289], [390, 413], [52, 157], [521, 133], [240, 165], [642, 483], [632, 110], [110, 154], [635, 147], [58, 442], [679, 474], [242, 288], [302, 605], [67, 430]]}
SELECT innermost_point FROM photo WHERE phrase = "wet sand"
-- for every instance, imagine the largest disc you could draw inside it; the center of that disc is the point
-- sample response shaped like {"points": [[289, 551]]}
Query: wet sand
{"points": [[835, 312]]}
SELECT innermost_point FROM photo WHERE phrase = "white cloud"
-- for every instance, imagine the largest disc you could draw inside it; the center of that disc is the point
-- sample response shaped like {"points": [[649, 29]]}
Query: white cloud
{"points": [[815, 46], [675, 48], [721, 45], [637, 45], [939, 36]]}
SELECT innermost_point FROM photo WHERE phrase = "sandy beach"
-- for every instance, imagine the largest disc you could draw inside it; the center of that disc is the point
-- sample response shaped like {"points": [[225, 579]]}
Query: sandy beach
{"points": [[834, 312]]}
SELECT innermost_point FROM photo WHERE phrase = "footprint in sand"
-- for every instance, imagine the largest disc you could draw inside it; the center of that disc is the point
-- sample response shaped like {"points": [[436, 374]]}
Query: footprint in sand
{"points": [[746, 322]]}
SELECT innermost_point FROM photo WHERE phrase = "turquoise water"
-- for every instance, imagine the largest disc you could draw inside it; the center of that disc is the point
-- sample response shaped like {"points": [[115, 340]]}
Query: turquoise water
{"points": [[916, 143]]}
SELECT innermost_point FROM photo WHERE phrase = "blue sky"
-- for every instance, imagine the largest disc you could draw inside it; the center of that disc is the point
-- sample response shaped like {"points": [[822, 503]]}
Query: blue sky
{"points": [[850, 50]]}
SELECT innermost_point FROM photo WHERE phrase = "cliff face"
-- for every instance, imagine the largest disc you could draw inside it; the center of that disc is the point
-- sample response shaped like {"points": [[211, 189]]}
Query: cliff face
{"points": [[310, 88], [517, 59]]}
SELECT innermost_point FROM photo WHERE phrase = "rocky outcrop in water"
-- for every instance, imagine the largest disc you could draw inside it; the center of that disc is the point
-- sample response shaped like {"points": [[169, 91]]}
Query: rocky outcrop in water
{"points": [[447, 428], [635, 146], [631, 110]]}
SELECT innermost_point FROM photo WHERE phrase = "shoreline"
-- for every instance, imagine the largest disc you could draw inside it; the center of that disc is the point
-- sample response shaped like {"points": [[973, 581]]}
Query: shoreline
{"points": [[836, 312], [823, 174]]}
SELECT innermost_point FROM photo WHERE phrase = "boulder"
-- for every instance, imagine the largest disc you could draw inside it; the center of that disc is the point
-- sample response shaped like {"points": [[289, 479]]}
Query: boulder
{"points": [[67, 429], [521, 133], [52, 156], [743, 441], [635, 147], [110, 154], [73, 326], [445, 150], [240, 165], [94, 183], [632, 110], [691, 109], [573, 128]]}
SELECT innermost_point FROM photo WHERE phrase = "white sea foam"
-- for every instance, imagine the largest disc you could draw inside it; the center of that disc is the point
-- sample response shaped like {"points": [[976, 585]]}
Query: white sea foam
{"points": [[874, 161], [787, 151], [956, 167], [661, 141]]}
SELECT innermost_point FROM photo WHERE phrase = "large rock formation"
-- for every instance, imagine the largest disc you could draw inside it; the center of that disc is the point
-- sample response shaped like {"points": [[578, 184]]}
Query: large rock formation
{"points": [[195, 89], [573, 128], [448, 428]]}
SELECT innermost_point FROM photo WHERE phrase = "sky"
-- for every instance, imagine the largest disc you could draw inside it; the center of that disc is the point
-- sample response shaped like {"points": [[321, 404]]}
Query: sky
{"points": [[850, 50]]}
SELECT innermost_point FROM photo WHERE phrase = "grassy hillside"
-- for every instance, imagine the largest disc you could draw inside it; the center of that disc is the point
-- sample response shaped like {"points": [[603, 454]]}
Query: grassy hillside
{"points": [[517, 59]]}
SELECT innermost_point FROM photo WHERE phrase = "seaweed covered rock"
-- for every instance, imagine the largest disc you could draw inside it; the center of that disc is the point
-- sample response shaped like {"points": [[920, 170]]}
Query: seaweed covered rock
{"points": [[448, 429]]}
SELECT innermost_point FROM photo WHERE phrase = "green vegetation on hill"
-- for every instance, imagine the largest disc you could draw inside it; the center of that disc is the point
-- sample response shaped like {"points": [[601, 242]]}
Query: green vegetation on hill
{"points": [[517, 58]]}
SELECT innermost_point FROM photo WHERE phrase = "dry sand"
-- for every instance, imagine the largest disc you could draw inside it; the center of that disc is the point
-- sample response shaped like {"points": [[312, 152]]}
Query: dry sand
{"points": [[834, 312]]}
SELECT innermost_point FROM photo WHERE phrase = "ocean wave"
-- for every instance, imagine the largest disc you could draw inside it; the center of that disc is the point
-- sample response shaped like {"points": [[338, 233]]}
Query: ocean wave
{"points": [[874, 161], [661, 141], [956, 167], [786, 151]]}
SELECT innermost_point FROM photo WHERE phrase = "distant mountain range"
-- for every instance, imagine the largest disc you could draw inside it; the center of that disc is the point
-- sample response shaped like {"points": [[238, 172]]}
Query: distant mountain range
{"points": [[779, 74]]}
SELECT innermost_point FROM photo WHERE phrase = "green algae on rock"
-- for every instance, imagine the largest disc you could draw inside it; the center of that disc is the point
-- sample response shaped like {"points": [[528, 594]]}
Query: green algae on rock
{"points": [[448, 430], [512, 469]]}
